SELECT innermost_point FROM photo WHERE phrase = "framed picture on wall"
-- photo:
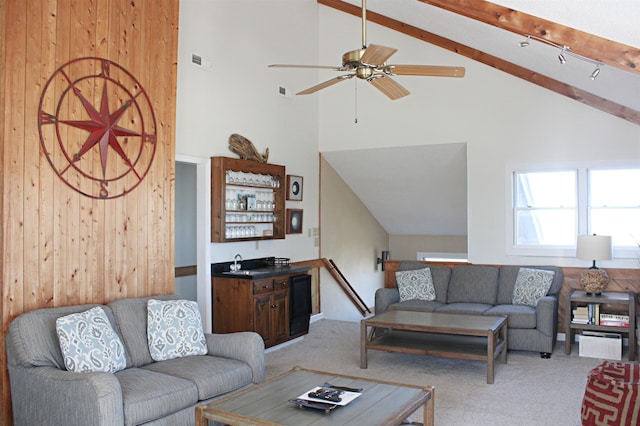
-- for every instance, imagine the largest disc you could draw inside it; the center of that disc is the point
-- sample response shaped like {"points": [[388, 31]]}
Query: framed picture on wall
{"points": [[294, 221], [294, 188]]}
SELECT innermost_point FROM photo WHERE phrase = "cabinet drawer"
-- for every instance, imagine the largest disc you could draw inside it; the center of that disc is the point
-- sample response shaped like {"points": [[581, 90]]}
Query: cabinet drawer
{"points": [[280, 283], [262, 286]]}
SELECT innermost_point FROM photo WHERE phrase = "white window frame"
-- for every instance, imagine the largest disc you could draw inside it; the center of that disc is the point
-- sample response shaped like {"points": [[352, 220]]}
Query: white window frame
{"points": [[582, 207]]}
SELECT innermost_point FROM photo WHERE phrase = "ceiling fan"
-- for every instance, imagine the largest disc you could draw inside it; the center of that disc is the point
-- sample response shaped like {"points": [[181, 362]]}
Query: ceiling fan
{"points": [[370, 63]]}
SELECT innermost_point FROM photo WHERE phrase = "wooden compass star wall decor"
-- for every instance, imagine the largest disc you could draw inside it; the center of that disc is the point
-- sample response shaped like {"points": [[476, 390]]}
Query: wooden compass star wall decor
{"points": [[97, 127]]}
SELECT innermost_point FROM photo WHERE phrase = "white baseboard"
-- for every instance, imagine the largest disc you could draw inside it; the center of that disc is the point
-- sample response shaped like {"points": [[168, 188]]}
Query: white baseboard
{"points": [[316, 317]]}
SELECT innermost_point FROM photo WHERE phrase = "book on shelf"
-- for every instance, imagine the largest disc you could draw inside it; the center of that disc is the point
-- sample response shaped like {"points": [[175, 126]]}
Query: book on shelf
{"points": [[614, 320], [615, 324], [580, 315]]}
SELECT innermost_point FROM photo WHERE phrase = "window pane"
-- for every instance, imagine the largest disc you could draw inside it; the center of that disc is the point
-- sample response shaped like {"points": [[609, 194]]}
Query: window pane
{"points": [[546, 227], [546, 189], [622, 224], [614, 188]]}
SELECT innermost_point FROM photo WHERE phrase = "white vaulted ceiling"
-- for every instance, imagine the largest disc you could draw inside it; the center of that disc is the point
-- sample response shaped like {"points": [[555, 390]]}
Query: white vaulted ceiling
{"points": [[421, 190], [615, 23]]}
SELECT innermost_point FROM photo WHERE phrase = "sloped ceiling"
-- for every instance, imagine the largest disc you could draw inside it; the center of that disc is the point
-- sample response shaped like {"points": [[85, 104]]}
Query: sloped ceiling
{"points": [[415, 190], [491, 33]]}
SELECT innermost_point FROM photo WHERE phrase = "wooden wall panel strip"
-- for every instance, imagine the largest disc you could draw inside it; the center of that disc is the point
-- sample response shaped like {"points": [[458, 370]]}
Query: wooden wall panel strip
{"points": [[31, 178], [60, 247]]}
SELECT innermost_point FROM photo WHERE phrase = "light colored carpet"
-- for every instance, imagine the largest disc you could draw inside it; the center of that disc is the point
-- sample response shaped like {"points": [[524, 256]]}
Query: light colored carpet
{"points": [[528, 390]]}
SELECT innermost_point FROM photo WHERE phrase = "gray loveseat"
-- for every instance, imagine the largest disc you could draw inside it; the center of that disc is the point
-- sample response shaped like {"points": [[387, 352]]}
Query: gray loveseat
{"points": [[486, 290], [43, 392]]}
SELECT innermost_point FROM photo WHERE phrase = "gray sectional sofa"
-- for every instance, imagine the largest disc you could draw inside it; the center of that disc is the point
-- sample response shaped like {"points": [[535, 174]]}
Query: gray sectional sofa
{"points": [[485, 290], [146, 392]]}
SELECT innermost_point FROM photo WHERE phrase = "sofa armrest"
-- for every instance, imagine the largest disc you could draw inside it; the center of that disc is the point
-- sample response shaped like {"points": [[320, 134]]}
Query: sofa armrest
{"points": [[47, 395], [547, 315], [245, 346], [385, 297]]}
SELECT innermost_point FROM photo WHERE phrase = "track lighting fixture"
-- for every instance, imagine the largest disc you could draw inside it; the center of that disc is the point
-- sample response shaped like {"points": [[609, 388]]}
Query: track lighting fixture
{"points": [[561, 57], [564, 51]]}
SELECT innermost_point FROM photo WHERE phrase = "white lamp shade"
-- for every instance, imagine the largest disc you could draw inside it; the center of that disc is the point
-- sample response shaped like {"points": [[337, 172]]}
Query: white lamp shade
{"points": [[594, 247]]}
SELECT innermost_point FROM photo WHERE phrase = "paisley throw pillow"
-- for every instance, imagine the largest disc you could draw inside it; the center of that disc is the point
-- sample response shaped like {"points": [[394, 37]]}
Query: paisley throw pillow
{"points": [[174, 329], [89, 343], [415, 285]]}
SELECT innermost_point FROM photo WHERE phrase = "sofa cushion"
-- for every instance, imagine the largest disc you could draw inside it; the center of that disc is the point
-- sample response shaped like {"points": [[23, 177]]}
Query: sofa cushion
{"points": [[131, 319], [415, 285], [147, 395], [32, 336], [531, 285], [473, 284], [213, 376], [464, 308], [518, 316], [509, 273], [416, 305], [174, 329], [89, 343], [440, 276]]}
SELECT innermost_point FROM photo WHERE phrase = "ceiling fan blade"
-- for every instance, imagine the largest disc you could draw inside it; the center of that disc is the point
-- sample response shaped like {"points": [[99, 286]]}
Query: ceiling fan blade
{"points": [[377, 55], [325, 84], [424, 70], [327, 67], [389, 87]]}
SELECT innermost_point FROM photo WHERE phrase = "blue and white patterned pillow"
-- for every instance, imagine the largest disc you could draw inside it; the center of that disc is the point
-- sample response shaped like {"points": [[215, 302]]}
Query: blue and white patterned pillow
{"points": [[89, 343], [174, 329], [531, 285], [415, 285]]}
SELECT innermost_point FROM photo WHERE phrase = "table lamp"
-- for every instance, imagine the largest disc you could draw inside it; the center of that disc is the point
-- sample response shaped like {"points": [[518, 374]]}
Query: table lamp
{"points": [[594, 247]]}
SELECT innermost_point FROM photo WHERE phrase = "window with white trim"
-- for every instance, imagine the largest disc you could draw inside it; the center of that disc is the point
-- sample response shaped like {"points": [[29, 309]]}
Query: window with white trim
{"points": [[551, 207]]}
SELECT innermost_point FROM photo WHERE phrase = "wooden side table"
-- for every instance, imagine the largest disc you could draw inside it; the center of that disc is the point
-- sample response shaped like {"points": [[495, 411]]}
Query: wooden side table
{"points": [[627, 300]]}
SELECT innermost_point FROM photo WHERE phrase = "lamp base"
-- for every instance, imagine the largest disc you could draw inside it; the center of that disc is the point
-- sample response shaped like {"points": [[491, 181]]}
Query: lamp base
{"points": [[594, 281]]}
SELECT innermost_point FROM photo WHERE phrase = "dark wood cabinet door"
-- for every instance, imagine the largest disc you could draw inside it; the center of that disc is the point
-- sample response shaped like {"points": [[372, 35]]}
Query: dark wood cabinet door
{"points": [[262, 317], [280, 314]]}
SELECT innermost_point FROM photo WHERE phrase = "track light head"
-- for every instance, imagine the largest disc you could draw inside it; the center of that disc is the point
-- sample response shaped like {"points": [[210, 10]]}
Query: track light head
{"points": [[564, 50]]}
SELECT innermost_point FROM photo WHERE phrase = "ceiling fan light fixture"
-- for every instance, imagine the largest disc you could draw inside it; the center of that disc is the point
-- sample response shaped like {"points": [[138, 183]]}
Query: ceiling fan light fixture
{"points": [[525, 43], [364, 72], [595, 73], [369, 63]]}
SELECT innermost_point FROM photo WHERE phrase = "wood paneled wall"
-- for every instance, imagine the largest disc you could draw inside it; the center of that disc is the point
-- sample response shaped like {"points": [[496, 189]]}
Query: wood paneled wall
{"points": [[58, 246], [621, 280]]}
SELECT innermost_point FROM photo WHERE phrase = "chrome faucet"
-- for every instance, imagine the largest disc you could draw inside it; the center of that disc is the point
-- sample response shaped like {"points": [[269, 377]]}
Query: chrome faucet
{"points": [[235, 267]]}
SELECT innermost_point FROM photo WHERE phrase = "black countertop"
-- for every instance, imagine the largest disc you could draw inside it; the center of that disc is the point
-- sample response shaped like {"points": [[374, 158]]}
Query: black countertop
{"points": [[255, 269]]}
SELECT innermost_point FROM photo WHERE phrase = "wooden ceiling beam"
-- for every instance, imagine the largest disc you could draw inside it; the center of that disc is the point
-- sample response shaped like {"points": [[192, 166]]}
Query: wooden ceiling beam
{"points": [[564, 89], [609, 52]]}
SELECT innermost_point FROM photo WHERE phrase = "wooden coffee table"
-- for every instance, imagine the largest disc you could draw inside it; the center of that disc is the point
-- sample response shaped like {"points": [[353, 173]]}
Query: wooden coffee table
{"points": [[473, 337], [381, 403]]}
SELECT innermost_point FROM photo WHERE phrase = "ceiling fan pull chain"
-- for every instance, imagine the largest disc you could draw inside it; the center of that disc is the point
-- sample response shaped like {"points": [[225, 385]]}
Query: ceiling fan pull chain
{"points": [[356, 101]]}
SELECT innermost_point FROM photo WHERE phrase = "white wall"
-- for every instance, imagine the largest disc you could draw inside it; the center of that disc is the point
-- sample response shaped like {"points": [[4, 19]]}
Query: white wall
{"points": [[353, 239], [239, 95], [503, 120]]}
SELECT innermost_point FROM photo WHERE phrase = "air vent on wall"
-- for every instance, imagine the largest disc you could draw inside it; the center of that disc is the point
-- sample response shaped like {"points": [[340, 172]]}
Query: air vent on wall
{"points": [[201, 62]]}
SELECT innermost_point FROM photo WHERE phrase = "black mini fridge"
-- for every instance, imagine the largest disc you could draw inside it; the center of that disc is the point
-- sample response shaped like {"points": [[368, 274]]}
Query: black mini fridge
{"points": [[300, 304]]}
